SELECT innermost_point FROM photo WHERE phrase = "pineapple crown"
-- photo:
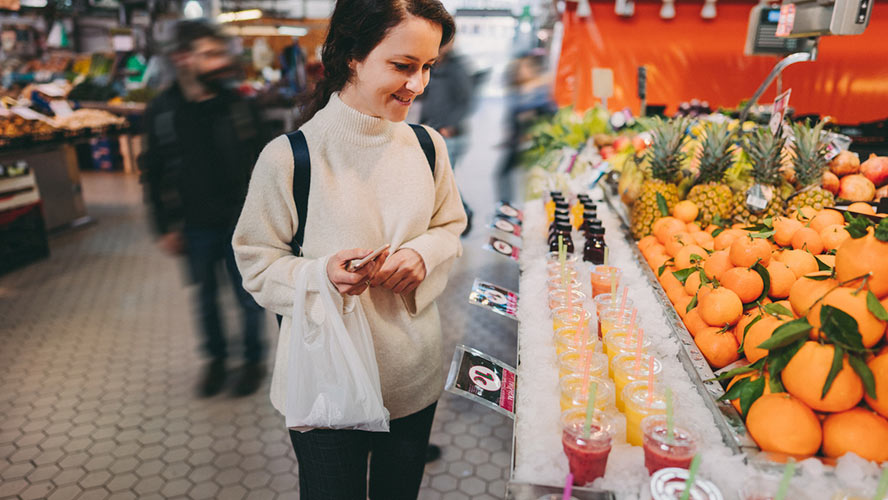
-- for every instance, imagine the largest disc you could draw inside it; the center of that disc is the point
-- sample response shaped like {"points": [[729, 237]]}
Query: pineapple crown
{"points": [[765, 151], [665, 152], [716, 155], [809, 153]]}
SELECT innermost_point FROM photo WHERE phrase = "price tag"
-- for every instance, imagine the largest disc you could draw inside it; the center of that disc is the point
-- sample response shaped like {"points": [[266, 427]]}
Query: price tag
{"points": [[781, 104], [787, 19], [503, 247], [756, 198], [497, 299], [836, 144], [483, 379], [507, 225]]}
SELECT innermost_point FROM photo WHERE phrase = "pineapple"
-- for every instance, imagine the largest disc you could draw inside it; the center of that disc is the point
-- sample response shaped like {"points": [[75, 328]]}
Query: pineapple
{"points": [[665, 156], [809, 161], [765, 152], [711, 194]]}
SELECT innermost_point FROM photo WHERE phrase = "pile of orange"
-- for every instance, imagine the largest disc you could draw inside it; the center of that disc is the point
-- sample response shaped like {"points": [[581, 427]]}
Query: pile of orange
{"points": [[735, 272]]}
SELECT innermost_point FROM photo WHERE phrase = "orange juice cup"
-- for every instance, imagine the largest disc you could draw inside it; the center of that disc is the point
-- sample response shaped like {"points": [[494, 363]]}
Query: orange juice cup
{"points": [[639, 406], [625, 372], [554, 271], [575, 392], [570, 362], [601, 279], [571, 338], [617, 342], [558, 298], [570, 316], [557, 283], [612, 319], [605, 301]]}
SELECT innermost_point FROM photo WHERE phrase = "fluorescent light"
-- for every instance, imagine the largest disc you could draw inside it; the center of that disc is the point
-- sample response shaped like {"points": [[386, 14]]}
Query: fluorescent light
{"points": [[243, 15], [193, 10], [257, 31], [292, 31], [33, 3]]}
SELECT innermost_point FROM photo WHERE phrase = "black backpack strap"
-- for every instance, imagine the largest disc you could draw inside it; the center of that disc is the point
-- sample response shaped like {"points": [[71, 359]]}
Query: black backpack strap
{"points": [[425, 141], [301, 185]]}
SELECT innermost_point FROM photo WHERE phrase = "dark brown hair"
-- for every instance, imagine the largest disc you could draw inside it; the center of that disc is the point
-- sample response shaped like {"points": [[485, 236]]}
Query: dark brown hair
{"points": [[356, 28]]}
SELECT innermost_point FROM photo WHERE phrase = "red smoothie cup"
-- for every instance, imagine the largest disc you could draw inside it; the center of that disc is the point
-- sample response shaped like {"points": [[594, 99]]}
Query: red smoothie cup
{"points": [[660, 452], [587, 456]]}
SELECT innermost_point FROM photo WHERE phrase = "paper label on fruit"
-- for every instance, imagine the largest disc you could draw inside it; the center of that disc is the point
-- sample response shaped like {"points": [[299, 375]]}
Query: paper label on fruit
{"points": [[757, 197], [494, 298]]}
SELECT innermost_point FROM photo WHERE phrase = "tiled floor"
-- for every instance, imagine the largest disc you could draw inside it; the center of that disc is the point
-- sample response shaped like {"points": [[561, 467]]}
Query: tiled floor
{"points": [[99, 359]]}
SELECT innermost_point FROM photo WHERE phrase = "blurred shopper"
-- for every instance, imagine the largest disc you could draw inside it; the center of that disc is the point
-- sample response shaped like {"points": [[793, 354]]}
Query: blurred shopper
{"points": [[373, 180], [202, 142], [446, 106], [529, 99]]}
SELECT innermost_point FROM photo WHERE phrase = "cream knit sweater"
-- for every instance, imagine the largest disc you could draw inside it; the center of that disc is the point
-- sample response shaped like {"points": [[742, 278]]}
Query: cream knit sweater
{"points": [[370, 185]]}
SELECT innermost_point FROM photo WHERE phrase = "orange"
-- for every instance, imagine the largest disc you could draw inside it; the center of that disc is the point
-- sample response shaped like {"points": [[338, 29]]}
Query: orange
{"points": [[786, 304], [806, 372], [755, 376], [683, 256], [861, 208], [654, 249], [800, 261], [804, 292], [804, 214], [782, 279], [693, 227], [826, 218], [677, 241], [857, 431], [833, 236], [668, 280], [665, 227], [726, 237], [785, 228], [676, 292], [646, 242], [879, 367], [746, 251], [746, 283], [681, 305], [719, 348], [870, 327], [783, 424], [717, 263], [694, 322], [758, 333], [861, 256], [807, 239], [720, 307], [704, 291], [685, 211], [705, 240], [692, 284], [829, 260], [740, 327]]}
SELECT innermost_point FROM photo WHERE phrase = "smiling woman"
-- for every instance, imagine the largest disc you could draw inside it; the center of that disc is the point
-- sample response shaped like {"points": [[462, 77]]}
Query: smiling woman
{"points": [[373, 181]]}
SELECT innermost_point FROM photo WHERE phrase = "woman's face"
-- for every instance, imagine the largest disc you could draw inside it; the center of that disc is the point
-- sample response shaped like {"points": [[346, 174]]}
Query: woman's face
{"points": [[396, 71]]}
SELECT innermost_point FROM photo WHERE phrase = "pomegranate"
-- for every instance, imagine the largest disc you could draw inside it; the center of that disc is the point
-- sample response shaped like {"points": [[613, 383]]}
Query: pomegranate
{"points": [[876, 169], [846, 163], [856, 187], [830, 182]]}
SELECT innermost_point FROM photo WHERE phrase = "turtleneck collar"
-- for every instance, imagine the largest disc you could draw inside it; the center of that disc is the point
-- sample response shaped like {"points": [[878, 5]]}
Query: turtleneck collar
{"points": [[342, 121]]}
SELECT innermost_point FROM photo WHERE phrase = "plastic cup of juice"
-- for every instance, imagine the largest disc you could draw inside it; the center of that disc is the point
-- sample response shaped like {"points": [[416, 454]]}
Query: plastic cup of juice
{"points": [[575, 392], [611, 319], [586, 455], [569, 338], [554, 270], [570, 362], [661, 452], [570, 259], [635, 398], [557, 283], [605, 301], [618, 341], [625, 373], [558, 298], [570, 316], [600, 277]]}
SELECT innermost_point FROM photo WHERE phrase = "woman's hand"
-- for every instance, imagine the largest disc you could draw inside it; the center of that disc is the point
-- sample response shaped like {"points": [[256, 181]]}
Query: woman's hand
{"points": [[353, 283], [402, 273]]}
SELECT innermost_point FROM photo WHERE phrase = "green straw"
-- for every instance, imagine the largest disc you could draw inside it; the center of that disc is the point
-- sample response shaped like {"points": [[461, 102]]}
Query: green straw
{"points": [[692, 476], [613, 288], [670, 418], [788, 472], [590, 410], [606, 252], [883, 485]]}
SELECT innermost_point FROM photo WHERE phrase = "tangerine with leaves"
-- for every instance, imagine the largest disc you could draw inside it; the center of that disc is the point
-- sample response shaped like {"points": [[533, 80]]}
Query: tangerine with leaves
{"points": [[690, 255], [692, 284], [726, 238], [758, 333], [694, 322], [647, 242], [746, 251], [783, 424], [703, 239], [746, 283], [785, 228], [752, 376], [809, 289], [693, 227], [665, 227], [678, 241], [852, 302], [682, 304], [800, 261], [807, 239], [667, 279], [747, 318], [864, 256], [879, 366], [782, 279], [806, 373], [717, 263], [720, 307], [858, 431], [833, 236], [685, 211], [861, 207], [826, 218], [718, 347]]}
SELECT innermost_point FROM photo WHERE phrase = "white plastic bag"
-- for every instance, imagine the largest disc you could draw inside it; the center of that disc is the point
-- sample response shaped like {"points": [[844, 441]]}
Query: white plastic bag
{"points": [[332, 379]]}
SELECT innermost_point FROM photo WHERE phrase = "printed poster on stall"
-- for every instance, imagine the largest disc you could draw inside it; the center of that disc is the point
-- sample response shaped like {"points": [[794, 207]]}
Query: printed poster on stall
{"points": [[507, 225], [497, 299], [509, 210], [503, 248], [483, 379]]}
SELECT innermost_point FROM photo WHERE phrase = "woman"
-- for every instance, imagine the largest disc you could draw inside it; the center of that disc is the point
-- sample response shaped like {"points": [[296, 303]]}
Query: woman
{"points": [[370, 184]]}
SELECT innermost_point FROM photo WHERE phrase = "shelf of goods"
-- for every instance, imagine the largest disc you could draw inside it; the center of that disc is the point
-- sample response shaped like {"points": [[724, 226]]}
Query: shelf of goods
{"points": [[729, 457]]}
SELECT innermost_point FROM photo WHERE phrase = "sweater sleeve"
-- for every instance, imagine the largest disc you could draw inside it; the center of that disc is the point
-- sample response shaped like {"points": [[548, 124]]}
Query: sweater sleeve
{"points": [[439, 246], [264, 230]]}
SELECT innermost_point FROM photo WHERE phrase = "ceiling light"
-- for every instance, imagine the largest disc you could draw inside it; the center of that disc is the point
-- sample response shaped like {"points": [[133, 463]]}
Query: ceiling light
{"points": [[193, 10], [243, 15], [292, 31]]}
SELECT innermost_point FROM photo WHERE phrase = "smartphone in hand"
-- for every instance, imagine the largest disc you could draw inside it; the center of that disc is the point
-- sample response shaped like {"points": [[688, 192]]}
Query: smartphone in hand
{"points": [[355, 265]]}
